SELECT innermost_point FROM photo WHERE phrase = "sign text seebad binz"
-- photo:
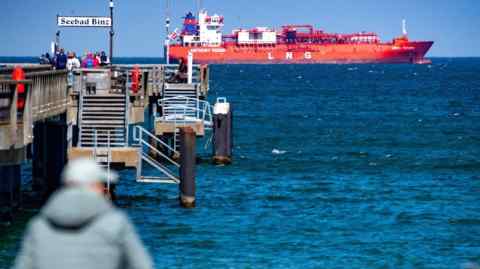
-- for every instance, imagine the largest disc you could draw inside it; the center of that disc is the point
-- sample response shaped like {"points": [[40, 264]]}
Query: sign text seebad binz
{"points": [[83, 21]]}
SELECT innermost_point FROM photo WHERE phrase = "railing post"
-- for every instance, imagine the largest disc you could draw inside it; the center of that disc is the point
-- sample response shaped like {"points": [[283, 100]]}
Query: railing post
{"points": [[187, 167], [108, 161], [140, 152]]}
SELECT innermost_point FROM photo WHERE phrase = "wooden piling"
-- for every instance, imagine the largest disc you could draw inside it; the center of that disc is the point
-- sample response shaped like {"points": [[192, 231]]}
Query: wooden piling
{"points": [[187, 167]]}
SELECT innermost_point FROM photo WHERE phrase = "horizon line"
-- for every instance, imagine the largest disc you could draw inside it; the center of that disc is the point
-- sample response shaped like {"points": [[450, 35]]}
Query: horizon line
{"points": [[162, 57]]}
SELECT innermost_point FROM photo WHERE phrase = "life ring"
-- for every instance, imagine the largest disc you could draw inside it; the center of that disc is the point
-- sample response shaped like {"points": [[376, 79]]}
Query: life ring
{"points": [[135, 79], [19, 74]]}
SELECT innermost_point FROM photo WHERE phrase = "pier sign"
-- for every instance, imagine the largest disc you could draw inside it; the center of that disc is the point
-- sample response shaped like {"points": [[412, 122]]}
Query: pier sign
{"points": [[83, 21]]}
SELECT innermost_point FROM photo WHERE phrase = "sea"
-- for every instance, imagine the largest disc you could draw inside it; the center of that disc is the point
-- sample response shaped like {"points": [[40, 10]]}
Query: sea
{"points": [[334, 166]]}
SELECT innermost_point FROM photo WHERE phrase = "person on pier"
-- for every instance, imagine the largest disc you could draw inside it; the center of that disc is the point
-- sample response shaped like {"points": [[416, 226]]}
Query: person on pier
{"points": [[104, 60], [80, 228], [181, 76], [60, 60], [90, 61]]}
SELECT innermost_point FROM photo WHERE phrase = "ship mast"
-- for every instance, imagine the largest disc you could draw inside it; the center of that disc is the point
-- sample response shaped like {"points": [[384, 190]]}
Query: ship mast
{"points": [[167, 32], [199, 6], [404, 27]]}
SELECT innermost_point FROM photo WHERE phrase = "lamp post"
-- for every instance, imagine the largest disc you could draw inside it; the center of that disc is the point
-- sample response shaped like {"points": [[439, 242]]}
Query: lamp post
{"points": [[111, 31], [57, 42], [167, 41]]}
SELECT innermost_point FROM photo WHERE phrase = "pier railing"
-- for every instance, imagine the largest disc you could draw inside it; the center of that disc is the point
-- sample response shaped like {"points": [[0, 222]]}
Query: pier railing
{"points": [[159, 74], [12, 107], [48, 95], [182, 110], [43, 94]]}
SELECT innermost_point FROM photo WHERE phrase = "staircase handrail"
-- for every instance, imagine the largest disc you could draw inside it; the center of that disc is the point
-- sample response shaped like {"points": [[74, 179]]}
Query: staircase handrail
{"points": [[160, 167], [138, 133]]}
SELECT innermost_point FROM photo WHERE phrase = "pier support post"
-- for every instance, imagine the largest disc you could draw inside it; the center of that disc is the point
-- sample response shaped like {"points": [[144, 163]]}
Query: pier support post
{"points": [[187, 167], [39, 158], [50, 154], [10, 190], [57, 147], [222, 133]]}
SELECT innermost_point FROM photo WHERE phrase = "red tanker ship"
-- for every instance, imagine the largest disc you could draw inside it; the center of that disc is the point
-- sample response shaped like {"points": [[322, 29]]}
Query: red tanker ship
{"points": [[291, 44]]}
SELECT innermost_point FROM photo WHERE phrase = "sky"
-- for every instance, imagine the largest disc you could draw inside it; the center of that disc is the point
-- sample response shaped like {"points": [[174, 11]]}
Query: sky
{"points": [[28, 26]]}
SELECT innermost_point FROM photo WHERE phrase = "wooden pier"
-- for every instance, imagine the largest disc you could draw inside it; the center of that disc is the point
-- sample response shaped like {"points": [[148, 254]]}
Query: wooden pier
{"points": [[51, 116]]}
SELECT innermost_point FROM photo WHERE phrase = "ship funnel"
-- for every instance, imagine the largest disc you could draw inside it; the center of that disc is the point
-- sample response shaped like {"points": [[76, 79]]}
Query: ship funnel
{"points": [[404, 27]]}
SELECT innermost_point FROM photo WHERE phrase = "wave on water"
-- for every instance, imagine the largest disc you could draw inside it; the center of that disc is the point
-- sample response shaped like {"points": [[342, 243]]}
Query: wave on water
{"points": [[278, 152]]}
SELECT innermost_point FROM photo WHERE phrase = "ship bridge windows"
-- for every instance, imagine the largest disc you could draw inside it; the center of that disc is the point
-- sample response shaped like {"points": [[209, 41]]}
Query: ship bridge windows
{"points": [[213, 27], [365, 38], [291, 36]]}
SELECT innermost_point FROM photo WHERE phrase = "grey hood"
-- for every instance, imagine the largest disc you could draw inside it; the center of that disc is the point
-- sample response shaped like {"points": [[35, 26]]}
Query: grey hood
{"points": [[73, 208]]}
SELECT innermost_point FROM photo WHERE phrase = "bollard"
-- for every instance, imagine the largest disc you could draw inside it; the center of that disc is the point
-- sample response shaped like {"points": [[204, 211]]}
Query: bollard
{"points": [[222, 132], [187, 167]]}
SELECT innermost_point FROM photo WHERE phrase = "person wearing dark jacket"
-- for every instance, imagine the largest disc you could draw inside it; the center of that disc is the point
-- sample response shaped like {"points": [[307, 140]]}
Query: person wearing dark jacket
{"points": [[79, 228], [61, 60]]}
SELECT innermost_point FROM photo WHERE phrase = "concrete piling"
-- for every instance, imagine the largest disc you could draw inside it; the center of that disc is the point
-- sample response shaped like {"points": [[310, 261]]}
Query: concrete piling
{"points": [[222, 133], [187, 167]]}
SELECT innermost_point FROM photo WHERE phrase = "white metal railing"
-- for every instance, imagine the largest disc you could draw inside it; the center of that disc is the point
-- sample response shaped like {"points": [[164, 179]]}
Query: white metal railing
{"points": [[143, 137], [139, 134], [108, 155], [182, 110]]}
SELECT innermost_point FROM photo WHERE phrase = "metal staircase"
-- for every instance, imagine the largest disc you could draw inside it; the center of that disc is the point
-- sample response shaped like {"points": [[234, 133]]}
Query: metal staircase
{"points": [[105, 114], [148, 144]]}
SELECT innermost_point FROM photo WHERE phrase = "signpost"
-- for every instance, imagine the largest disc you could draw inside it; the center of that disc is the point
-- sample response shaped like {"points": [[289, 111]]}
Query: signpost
{"points": [[83, 21], [90, 21]]}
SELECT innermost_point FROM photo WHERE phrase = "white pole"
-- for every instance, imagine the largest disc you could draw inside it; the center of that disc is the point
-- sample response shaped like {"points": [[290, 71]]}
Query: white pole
{"points": [[190, 65], [167, 51], [52, 48]]}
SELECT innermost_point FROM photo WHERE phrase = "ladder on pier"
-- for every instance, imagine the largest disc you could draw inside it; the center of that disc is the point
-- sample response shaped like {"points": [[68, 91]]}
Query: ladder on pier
{"points": [[103, 119], [150, 152]]}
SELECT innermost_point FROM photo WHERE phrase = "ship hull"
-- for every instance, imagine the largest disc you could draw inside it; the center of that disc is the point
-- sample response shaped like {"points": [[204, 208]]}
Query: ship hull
{"points": [[412, 52]]}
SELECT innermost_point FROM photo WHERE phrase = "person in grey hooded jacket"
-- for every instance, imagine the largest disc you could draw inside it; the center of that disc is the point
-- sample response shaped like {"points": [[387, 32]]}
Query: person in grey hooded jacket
{"points": [[79, 228]]}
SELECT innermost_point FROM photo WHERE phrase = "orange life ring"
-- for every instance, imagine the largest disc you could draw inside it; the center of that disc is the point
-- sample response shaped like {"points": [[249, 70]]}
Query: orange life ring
{"points": [[19, 74], [135, 79]]}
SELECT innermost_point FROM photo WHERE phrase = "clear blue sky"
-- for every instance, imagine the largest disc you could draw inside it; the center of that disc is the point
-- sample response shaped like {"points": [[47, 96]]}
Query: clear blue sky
{"points": [[28, 26]]}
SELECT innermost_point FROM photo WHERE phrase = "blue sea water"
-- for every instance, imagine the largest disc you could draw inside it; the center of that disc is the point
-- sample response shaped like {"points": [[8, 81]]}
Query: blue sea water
{"points": [[335, 166]]}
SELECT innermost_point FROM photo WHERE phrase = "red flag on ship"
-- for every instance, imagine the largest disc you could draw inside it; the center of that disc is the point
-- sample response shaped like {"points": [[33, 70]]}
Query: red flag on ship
{"points": [[173, 35]]}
